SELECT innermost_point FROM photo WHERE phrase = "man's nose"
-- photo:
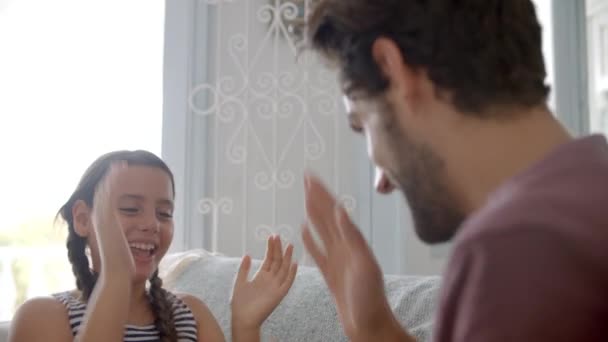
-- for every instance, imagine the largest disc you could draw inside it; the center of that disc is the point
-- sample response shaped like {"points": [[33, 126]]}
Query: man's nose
{"points": [[382, 183]]}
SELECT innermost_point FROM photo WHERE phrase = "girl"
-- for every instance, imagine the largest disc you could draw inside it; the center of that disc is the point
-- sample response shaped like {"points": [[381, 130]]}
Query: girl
{"points": [[122, 212]]}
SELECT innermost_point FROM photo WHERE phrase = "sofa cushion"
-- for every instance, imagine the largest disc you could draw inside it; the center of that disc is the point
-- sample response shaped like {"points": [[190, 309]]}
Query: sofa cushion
{"points": [[4, 331], [308, 312]]}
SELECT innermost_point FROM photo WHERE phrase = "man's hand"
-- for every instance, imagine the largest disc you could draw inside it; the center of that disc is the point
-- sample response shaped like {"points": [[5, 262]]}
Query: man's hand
{"points": [[349, 268]]}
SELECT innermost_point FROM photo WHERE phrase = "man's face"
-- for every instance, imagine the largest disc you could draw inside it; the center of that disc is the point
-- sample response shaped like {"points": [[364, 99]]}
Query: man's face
{"points": [[408, 165]]}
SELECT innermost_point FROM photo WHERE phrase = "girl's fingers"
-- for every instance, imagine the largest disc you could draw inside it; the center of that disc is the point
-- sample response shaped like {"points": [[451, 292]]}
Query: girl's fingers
{"points": [[286, 264], [269, 253], [277, 255], [243, 273], [291, 276]]}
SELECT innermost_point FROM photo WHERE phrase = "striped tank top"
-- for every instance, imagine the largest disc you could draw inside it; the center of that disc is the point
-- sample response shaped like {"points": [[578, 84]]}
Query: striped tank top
{"points": [[185, 323]]}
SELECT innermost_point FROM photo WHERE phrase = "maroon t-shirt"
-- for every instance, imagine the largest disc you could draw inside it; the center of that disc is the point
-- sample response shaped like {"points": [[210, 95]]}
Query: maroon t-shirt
{"points": [[532, 265]]}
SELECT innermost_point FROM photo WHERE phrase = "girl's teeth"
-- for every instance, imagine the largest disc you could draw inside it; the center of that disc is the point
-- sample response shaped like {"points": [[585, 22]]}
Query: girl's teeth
{"points": [[142, 246]]}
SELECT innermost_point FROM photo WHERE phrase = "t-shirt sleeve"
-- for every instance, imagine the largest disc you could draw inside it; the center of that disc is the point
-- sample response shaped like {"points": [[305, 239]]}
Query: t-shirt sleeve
{"points": [[517, 286]]}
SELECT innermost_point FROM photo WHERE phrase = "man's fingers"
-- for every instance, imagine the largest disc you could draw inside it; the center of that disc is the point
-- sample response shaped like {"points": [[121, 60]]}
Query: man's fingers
{"points": [[352, 236], [319, 208], [313, 249], [349, 232], [243, 273], [286, 264], [343, 221]]}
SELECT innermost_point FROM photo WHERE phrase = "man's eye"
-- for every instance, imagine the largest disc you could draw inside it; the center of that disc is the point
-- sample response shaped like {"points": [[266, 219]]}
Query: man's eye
{"points": [[356, 129], [129, 210]]}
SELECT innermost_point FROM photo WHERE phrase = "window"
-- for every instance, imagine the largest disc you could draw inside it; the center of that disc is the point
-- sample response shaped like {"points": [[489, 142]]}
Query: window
{"points": [[597, 45], [77, 79], [545, 17]]}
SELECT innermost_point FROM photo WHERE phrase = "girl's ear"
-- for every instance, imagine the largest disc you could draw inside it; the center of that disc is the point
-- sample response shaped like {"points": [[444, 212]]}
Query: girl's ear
{"points": [[82, 219]]}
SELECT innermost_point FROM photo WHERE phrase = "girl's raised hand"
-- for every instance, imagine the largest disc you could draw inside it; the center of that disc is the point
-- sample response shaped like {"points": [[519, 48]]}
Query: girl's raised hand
{"points": [[254, 300], [115, 254]]}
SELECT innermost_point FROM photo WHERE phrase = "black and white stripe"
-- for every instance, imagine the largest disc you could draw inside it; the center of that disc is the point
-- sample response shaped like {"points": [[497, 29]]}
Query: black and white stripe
{"points": [[185, 323]]}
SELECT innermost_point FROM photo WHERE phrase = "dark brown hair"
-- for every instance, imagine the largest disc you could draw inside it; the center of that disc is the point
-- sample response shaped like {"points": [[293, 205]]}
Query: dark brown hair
{"points": [[160, 300], [480, 53]]}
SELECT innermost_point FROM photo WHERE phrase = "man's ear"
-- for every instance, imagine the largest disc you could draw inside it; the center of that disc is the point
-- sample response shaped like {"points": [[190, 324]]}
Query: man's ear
{"points": [[403, 79], [82, 218]]}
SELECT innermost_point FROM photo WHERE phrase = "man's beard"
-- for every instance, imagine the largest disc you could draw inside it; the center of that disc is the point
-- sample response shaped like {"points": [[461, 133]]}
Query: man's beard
{"points": [[420, 175]]}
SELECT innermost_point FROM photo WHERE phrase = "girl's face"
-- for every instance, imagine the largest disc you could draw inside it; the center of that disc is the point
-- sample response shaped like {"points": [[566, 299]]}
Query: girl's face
{"points": [[143, 200]]}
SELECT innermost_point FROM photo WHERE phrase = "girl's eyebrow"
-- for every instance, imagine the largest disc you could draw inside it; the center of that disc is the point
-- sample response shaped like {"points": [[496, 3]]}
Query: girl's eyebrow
{"points": [[163, 201]]}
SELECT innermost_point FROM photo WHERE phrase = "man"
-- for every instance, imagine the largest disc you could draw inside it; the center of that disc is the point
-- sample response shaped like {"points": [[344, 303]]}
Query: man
{"points": [[451, 97]]}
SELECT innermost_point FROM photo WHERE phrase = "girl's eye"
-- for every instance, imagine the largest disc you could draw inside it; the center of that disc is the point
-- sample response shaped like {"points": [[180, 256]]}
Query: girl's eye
{"points": [[129, 210], [165, 214]]}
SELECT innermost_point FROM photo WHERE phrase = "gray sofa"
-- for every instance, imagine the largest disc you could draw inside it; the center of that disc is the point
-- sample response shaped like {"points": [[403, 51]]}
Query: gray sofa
{"points": [[4, 331], [307, 313]]}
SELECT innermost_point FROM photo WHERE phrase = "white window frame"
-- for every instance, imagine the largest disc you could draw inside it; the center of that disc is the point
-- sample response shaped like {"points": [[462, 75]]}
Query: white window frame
{"points": [[185, 32], [570, 55]]}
